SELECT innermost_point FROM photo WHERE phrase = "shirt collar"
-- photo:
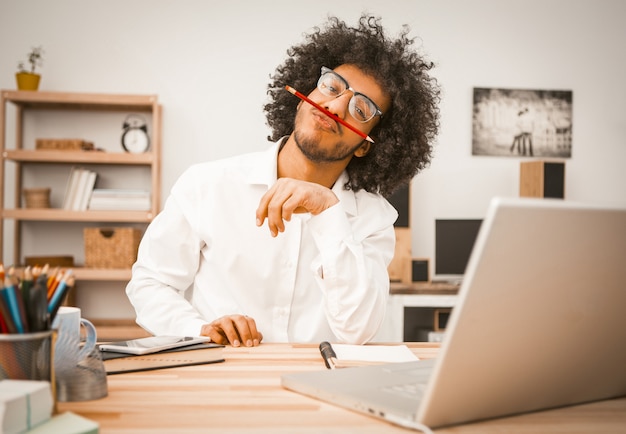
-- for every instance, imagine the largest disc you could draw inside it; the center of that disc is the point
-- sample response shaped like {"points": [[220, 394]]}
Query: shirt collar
{"points": [[266, 173]]}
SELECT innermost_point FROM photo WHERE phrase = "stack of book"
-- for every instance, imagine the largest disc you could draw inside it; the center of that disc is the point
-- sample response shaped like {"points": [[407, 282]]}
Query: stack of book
{"points": [[79, 187], [120, 200]]}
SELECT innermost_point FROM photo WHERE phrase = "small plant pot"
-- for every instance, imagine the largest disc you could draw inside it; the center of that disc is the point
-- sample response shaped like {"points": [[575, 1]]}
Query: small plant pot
{"points": [[37, 197], [27, 81]]}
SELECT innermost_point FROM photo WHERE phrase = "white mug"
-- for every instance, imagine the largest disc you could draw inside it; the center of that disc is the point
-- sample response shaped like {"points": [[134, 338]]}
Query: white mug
{"points": [[67, 351]]}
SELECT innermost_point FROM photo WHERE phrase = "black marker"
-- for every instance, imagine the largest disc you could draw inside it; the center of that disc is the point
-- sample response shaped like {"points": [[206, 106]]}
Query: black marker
{"points": [[328, 354]]}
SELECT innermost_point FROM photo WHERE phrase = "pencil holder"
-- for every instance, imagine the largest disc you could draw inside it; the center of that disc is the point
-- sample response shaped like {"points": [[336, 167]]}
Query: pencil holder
{"points": [[27, 356]]}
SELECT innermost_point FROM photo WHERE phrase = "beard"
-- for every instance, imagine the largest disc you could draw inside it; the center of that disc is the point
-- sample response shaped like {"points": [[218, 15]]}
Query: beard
{"points": [[309, 146]]}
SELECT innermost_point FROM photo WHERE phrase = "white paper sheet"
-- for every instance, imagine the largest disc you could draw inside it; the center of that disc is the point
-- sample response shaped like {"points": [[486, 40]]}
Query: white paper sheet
{"points": [[374, 353]]}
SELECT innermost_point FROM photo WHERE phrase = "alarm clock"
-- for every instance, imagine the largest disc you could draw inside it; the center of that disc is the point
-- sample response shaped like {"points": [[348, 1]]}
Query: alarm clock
{"points": [[135, 137]]}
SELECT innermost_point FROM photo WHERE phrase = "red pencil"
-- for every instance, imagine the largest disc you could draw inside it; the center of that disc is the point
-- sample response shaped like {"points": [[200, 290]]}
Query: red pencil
{"points": [[329, 114]]}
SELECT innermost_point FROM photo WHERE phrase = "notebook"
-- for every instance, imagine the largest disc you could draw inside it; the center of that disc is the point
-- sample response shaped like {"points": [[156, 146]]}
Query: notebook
{"points": [[197, 354], [539, 324]]}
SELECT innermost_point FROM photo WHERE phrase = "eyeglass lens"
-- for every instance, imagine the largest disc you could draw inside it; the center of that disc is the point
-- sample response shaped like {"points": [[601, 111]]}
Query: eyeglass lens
{"points": [[360, 106]]}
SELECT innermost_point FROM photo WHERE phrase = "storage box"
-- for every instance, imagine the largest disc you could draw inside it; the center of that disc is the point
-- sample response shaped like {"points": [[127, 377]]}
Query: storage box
{"points": [[111, 247]]}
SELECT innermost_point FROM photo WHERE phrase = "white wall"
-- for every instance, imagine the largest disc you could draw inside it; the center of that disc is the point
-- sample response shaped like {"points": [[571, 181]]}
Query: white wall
{"points": [[209, 63]]}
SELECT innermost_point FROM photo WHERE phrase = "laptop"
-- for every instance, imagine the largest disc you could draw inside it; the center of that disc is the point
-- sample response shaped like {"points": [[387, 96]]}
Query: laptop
{"points": [[540, 323]]}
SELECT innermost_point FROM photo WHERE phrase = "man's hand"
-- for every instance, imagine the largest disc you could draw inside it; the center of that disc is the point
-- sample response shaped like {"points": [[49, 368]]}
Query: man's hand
{"points": [[235, 330], [290, 196]]}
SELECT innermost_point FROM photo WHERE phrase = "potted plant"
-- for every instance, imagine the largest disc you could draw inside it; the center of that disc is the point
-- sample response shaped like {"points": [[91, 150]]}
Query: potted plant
{"points": [[29, 79]]}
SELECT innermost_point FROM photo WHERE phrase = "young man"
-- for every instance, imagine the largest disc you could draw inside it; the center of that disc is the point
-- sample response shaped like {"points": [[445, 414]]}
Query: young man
{"points": [[207, 265]]}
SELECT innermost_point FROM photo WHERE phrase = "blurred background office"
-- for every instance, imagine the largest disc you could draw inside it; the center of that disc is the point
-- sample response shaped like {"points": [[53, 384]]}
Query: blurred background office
{"points": [[209, 63]]}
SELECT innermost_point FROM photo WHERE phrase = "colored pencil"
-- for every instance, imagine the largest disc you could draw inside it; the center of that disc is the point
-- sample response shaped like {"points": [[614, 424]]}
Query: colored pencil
{"points": [[39, 320], [53, 305], [25, 285], [5, 312], [53, 282], [15, 305], [329, 114]]}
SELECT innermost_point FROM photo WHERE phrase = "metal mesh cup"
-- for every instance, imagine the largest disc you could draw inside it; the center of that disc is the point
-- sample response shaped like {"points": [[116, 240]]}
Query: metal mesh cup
{"points": [[27, 356]]}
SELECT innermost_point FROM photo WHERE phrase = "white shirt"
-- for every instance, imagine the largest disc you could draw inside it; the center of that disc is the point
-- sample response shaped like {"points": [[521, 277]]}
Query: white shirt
{"points": [[324, 278]]}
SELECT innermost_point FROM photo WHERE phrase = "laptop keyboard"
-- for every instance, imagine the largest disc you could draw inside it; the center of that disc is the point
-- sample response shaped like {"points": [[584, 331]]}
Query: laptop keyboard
{"points": [[414, 390]]}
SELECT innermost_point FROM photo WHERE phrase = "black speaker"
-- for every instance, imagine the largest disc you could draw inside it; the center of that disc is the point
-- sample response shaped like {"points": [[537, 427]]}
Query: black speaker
{"points": [[400, 201], [420, 270]]}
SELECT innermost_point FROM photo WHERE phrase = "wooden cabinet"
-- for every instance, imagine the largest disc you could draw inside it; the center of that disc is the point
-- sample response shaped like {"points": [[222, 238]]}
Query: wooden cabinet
{"points": [[411, 310], [71, 114]]}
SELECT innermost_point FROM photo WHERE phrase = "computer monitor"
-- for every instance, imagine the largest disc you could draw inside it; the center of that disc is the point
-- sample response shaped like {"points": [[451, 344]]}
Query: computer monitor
{"points": [[454, 240]]}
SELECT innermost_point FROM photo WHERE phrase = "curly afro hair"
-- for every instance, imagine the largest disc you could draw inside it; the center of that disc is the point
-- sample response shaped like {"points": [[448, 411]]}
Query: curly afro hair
{"points": [[405, 133]]}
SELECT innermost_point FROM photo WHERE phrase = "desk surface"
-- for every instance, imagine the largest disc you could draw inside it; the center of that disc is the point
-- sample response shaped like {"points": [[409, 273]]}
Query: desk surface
{"points": [[243, 395]]}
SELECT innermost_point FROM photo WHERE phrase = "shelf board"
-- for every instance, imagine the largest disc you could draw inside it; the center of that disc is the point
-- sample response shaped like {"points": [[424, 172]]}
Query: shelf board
{"points": [[82, 101], [102, 274], [74, 157], [55, 214], [97, 274]]}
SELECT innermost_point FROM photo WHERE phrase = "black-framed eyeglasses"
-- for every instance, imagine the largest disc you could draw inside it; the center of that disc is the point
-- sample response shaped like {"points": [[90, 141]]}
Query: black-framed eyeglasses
{"points": [[361, 107]]}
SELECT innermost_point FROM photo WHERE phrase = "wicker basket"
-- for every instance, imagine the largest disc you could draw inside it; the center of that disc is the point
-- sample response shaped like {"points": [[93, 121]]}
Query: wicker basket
{"points": [[111, 247], [37, 197]]}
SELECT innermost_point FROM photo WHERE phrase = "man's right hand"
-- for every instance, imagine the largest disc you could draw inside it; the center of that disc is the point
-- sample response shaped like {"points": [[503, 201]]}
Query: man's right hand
{"points": [[235, 330]]}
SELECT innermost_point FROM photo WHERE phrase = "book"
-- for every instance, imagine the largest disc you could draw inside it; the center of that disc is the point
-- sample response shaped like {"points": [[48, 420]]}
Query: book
{"points": [[70, 189], [120, 200], [81, 189], [67, 423], [199, 354], [89, 186]]}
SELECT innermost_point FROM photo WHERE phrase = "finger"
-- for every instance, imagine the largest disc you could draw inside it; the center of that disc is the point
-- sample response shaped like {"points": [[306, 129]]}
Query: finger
{"points": [[254, 333], [213, 333], [243, 330], [261, 211], [226, 328], [275, 214], [292, 205], [232, 332], [268, 209]]}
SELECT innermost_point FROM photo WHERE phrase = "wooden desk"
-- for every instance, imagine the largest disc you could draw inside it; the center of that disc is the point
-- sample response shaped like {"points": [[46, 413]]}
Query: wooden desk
{"points": [[243, 395]]}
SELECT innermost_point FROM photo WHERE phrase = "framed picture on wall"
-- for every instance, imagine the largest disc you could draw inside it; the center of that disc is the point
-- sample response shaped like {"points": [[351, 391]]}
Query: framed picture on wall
{"points": [[522, 123]]}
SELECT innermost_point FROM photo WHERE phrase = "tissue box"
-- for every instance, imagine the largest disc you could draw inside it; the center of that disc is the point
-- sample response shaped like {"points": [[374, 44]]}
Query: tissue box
{"points": [[24, 404]]}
